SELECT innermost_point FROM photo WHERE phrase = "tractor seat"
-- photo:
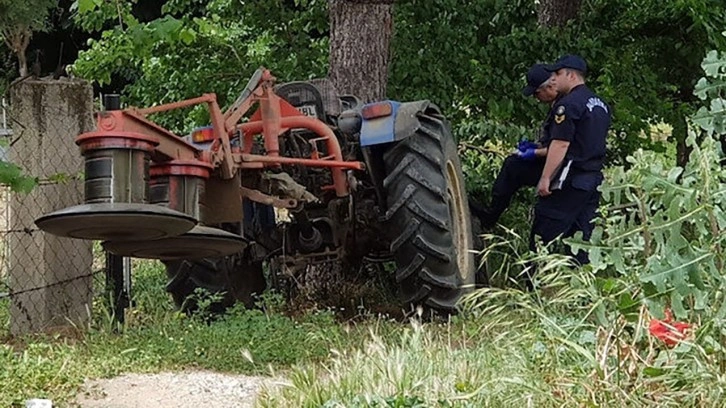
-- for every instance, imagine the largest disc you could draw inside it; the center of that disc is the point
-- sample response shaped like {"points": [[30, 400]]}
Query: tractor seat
{"points": [[316, 97]]}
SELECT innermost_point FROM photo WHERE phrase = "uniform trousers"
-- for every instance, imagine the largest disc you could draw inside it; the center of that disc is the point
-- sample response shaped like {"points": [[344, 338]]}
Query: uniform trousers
{"points": [[565, 212], [514, 174]]}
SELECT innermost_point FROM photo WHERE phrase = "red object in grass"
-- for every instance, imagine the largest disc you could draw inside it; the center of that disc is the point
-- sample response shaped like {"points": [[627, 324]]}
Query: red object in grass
{"points": [[668, 331]]}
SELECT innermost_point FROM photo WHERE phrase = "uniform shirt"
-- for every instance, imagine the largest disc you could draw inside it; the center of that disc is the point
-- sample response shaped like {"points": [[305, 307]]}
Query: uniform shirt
{"points": [[582, 119], [545, 131]]}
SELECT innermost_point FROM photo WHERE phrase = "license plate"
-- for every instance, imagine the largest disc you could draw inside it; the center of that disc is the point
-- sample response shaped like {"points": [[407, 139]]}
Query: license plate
{"points": [[308, 110]]}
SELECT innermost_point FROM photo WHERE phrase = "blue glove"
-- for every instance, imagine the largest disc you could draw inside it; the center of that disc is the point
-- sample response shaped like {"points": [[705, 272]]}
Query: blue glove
{"points": [[525, 145], [528, 154]]}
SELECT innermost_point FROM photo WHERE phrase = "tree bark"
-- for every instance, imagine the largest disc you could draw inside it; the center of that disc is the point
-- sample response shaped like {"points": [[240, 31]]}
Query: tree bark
{"points": [[22, 63], [360, 38], [17, 39], [556, 13]]}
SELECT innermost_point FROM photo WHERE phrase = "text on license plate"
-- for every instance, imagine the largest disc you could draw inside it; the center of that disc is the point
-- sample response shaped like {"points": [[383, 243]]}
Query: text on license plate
{"points": [[308, 110]]}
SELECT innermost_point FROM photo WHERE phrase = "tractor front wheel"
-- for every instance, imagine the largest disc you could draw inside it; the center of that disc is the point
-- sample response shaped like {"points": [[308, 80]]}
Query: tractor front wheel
{"points": [[232, 278]]}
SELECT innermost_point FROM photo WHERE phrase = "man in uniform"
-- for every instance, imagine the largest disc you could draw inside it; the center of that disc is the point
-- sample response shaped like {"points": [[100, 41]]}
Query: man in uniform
{"points": [[524, 166], [567, 188]]}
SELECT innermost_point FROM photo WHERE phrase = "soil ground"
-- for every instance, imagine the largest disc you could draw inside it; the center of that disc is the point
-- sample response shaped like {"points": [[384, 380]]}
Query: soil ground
{"points": [[187, 389]]}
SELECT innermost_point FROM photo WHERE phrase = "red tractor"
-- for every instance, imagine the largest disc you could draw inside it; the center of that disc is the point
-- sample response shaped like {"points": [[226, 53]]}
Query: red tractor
{"points": [[308, 177]]}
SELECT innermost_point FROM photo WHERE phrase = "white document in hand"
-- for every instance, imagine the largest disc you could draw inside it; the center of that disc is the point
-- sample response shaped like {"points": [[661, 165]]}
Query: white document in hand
{"points": [[558, 180]]}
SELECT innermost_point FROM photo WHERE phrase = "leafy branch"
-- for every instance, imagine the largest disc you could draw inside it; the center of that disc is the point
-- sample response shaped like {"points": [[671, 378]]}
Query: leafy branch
{"points": [[13, 176], [18, 21]]}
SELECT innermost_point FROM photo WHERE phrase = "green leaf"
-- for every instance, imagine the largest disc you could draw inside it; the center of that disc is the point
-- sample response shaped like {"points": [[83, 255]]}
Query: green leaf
{"points": [[704, 119], [187, 35], [653, 371], [587, 337], [13, 176], [627, 305], [713, 63], [166, 28], [705, 88], [694, 276], [24, 184], [86, 6], [679, 309], [673, 174]]}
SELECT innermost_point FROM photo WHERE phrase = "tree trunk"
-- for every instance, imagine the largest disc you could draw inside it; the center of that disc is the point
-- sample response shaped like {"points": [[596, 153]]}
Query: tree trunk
{"points": [[17, 39], [360, 37], [22, 63], [556, 13]]}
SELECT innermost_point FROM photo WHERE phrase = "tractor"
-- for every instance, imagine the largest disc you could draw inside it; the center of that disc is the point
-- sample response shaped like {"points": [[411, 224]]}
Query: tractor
{"points": [[290, 175]]}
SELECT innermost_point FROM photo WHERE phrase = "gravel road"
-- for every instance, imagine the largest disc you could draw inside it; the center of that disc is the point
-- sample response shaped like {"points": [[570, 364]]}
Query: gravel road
{"points": [[187, 389]]}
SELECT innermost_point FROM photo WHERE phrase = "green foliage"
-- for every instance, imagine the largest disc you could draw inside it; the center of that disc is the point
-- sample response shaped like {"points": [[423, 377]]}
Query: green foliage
{"points": [[660, 241], [592, 362], [97, 13], [510, 348], [712, 118], [194, 49], [18, 21], [418, 366], [471, 57], [157, 337], [14, 177], [485, 145], [24, 15], [666, 232], [468, 56]]}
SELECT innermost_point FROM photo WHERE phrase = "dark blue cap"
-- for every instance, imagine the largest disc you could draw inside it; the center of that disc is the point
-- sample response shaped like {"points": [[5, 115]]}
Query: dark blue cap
{"points": [[568, 61], [536, 76]]}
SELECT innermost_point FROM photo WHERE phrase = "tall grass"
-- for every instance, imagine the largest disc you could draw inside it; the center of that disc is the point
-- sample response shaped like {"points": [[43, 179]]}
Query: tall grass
{"points": [[578, 339], [157, 337], [560, 345], [443, 365]]}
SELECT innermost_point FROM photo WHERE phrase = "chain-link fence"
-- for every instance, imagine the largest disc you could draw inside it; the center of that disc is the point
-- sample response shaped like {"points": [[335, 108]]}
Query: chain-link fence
{"points": [[45, 280], [4, 222], [6, 133]]}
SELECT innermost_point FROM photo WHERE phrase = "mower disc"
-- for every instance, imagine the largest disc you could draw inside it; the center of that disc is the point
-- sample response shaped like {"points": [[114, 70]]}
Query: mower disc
{"points": [[116, 221], [200, 242]]}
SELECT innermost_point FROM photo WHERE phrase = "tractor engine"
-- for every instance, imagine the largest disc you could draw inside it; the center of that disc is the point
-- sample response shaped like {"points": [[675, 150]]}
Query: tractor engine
{"points": [[322, 227]]}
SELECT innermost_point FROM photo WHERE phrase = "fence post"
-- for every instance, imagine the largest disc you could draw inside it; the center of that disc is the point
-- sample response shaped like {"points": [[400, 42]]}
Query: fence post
{"points": [[118, 299], [50, 277], [118, 268]]}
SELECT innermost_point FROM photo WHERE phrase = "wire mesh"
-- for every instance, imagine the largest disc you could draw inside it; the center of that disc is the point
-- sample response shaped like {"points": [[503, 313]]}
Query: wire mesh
{"points": [[45, 281]]}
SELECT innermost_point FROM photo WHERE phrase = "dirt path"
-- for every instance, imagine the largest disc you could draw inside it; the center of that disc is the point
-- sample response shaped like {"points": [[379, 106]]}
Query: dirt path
{"points": [[188, 389]]}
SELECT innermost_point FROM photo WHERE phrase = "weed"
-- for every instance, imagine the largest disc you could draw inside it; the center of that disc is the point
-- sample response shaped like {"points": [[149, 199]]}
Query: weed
{"points": [[157, 337]]}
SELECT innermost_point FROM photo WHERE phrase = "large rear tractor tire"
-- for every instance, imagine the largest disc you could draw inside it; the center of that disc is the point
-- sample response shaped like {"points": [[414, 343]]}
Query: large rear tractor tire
{"points": [[428, 217], [233, 278]]}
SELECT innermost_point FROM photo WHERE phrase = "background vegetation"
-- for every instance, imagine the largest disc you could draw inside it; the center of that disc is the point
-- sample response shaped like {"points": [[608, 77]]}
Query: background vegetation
{"points": [[580, 339]]}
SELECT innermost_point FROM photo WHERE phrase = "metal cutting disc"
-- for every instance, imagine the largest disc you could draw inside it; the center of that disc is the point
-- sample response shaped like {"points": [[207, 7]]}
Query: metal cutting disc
{"points": [[116, 221], [200, 242]]}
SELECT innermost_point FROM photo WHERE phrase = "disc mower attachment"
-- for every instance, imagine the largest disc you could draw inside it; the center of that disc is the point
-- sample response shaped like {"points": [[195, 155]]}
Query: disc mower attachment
{"points": [[200, 242], [116, 194], [116, 221], [178, 185]]}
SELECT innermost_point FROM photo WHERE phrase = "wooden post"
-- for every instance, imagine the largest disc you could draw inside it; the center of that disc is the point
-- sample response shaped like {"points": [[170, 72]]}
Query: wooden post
{"points": [[50, 277]]}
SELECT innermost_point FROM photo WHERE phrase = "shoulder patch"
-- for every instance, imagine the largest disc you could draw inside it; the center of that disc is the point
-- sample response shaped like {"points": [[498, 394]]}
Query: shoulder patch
{"points": [[596, 102], [559, 118], [560, 110]]}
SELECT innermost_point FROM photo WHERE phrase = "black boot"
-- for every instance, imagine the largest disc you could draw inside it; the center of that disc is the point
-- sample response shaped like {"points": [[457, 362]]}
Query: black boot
{"points": [[484, 214]]}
